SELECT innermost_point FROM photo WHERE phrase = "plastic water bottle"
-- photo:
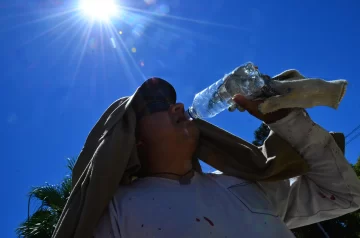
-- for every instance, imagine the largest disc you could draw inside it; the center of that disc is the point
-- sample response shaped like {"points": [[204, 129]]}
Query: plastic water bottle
{"points": [[245, 80]]}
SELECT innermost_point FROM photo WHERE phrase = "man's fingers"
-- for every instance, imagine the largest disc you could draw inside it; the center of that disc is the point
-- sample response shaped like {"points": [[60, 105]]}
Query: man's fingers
{"points": [[245, 103], [253, 108], [240, 108], [241, 100], [248, 105]]}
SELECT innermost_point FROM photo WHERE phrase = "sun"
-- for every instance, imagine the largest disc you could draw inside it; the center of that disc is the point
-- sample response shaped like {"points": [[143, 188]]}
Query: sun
{"points": [[99, 9]]}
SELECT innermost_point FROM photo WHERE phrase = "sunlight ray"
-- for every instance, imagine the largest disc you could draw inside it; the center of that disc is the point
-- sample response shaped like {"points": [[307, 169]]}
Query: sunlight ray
{"points": [[149, 20], [49, 30], [127, 51], [66, 98], [124, 64], [120, 50], [102, 59], [163, 25], [184, 19], [70, 40], [102, 49], [80, 42], [177, 30], [84, 40], [60, 51], [48, 17], [49, 14], [63, 33]]}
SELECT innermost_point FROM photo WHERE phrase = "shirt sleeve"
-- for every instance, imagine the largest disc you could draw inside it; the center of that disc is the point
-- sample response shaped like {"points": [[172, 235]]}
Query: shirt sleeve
{"points": [[108, 224], [331, 187]]}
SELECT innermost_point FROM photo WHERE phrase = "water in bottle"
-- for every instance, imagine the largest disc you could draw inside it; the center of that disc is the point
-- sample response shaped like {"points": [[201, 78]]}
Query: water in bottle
{"points": [[245, 80]]}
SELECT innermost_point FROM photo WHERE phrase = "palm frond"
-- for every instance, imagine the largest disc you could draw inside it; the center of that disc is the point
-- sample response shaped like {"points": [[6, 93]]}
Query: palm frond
{"points": [[66, 187], [53, 199], [50, 196], [71, 163], [40, 225]]}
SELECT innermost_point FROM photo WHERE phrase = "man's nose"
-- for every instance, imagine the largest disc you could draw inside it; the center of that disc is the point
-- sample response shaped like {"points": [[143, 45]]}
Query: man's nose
{"points": [[177, 108]]}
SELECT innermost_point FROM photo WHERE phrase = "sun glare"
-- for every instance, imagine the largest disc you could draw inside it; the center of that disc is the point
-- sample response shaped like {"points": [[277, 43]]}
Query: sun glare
{"points": [[99, 9]]}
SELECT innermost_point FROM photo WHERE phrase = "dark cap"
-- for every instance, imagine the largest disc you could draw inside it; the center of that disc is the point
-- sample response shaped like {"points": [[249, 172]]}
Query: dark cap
{"points": [[154, 95]]}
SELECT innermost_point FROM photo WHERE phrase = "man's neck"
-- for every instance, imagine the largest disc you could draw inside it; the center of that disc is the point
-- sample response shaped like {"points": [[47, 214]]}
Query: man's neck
{"points": [[188, 175], [169, 165]]}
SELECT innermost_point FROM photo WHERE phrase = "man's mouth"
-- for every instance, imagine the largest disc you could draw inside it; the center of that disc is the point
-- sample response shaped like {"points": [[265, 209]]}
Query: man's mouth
{"points": [[181, 119]]}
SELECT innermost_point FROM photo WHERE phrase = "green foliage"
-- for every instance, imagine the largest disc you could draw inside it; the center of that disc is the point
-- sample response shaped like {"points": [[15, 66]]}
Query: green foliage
{"points": [[53, 199], [356, 167], [261, 134], [41, 224]]}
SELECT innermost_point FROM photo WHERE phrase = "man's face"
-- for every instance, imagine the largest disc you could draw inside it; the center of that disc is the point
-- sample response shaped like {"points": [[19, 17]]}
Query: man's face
{"points": [[169, 126]]}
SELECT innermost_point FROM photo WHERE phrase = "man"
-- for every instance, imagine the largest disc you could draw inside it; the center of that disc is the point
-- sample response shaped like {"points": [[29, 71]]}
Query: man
{"points": [[170, 199]]}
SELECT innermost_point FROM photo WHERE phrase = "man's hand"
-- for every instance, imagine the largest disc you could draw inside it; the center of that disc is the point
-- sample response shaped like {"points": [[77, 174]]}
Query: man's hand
{"points": [[252, 108]]}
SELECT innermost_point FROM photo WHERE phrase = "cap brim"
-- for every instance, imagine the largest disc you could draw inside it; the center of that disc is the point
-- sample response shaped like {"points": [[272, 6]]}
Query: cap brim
{"points": [[151, 88], [153, 91], [155, 88]]}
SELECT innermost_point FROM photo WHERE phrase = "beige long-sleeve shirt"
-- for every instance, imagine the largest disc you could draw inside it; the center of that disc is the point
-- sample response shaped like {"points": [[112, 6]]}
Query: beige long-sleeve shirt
{"points": [[224, 206], [331, 187]]}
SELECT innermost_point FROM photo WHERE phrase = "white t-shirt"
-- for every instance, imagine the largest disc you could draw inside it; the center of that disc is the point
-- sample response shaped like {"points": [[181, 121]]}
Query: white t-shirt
{"points": [[211, 206]]}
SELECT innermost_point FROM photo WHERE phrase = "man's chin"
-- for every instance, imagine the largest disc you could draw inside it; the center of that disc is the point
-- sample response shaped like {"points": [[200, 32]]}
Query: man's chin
{"points": [[191, 132], [188, 130]]}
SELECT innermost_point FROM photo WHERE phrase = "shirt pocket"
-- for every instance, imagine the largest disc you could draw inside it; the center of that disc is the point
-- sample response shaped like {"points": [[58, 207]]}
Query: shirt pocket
{"points": [[251, 195]]}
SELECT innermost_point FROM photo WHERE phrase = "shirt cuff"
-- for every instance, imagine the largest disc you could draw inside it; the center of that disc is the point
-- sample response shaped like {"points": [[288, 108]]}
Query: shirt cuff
{"points": [[299, 130]]}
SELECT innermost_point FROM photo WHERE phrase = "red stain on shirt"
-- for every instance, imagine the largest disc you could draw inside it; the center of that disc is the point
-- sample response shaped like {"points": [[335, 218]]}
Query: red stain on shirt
{"points": [[322, 195], [332, 197], [208, 220]]}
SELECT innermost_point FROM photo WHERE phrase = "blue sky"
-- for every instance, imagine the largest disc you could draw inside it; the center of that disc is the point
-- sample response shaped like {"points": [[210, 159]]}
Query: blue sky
{"points": [[59, 72]]}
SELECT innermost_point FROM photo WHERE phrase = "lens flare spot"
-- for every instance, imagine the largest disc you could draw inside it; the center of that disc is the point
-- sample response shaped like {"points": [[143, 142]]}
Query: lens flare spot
{"points": [[150, 2], [133, 50], [112, 40], [162, 10]]}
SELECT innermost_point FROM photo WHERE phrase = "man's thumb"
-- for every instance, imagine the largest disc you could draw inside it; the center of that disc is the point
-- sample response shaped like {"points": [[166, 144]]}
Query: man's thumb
{"points": [[240, 100]]}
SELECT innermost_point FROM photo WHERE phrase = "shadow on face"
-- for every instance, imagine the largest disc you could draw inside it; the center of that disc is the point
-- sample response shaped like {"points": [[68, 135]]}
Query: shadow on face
{"points": [[168, 128]]}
